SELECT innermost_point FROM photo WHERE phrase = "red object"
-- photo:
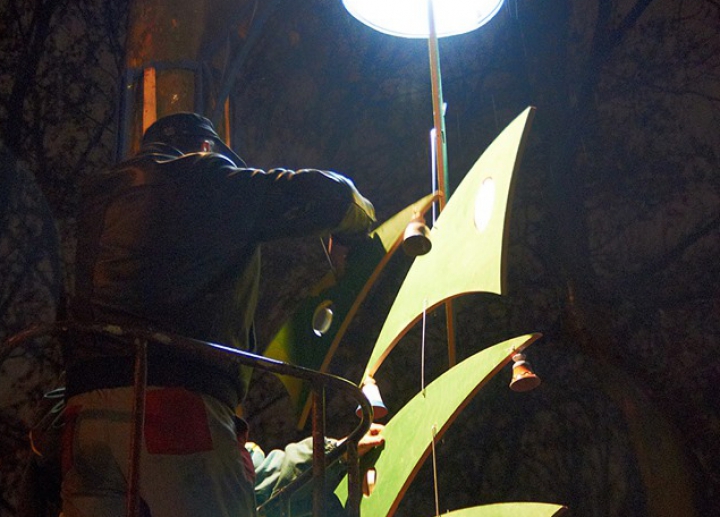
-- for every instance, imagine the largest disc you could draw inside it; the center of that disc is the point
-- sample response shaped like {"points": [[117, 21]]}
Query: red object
{"points": [[176, 422]]}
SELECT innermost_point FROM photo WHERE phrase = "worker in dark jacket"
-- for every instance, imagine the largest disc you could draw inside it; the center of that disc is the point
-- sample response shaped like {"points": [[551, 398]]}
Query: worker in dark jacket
{"points": [[170, 240]]}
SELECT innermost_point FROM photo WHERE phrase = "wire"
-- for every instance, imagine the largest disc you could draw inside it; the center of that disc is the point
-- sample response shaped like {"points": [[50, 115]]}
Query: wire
{"points": [[435, 476], [422, 348]]}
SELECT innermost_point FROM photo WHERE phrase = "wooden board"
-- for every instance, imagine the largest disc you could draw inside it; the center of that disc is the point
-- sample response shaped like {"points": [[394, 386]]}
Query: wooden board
{"points": [[510, 510], [409, 434], [469, 240]]}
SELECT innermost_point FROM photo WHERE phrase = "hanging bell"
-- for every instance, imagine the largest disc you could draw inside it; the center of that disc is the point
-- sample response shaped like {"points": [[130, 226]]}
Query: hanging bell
{"points": [[523, 378], [372, 393], [416, 240]]}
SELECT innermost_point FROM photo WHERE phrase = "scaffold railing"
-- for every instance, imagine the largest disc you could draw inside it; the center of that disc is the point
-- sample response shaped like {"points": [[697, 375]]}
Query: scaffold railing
{"points": [[319, 383]]}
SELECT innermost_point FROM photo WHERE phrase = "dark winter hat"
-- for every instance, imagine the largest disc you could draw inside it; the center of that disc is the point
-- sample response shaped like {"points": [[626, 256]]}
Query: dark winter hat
{"points": [[168, 128]]}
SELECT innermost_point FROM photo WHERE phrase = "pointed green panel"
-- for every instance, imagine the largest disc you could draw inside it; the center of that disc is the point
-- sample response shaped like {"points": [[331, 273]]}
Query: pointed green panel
{"points": [[297, 343], [510, 510], [468, 238], [408, 435]]}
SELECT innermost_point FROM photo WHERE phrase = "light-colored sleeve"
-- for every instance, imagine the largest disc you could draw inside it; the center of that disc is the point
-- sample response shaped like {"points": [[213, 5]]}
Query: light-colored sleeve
{"points": [[280, 467]]}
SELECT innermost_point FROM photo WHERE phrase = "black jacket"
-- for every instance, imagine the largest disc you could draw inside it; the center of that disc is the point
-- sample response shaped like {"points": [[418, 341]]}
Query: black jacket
{"points": [[172, 242]]}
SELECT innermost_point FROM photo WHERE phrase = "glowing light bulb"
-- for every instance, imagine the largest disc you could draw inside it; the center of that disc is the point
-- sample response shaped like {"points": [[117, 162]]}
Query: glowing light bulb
{"points": [[409, 18]]}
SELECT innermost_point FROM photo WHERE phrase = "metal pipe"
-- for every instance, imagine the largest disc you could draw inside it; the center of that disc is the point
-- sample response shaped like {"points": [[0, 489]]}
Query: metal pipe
{"points": [[137, 426], [318, 436], [438, 108], [352, 506], [441, 156]]}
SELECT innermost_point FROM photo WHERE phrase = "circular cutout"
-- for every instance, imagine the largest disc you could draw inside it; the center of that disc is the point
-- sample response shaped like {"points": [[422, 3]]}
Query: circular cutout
{"points": [[484, 202], [322, 318]]}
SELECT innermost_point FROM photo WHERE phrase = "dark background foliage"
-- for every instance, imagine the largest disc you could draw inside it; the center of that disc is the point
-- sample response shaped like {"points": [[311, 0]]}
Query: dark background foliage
{"points": [[613, 235]]}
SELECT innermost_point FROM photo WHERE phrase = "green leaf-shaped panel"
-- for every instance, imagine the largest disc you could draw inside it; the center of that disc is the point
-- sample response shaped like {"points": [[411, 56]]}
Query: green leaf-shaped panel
{"points": [[409, 434], [468, 241], [510, 510]]}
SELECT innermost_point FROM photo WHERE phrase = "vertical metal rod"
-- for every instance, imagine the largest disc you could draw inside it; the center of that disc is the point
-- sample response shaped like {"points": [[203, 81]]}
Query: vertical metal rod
{"points": [[227, 125], [422, 347], [137, 424], [149, 114], [318, 435], [435, 473], [354, 499], [441, 154], [438, 108], [450, 324], [127, 90], [433, 161]]}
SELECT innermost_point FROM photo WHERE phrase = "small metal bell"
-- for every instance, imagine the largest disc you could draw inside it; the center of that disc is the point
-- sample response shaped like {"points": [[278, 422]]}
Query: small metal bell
{"points": [[523, 378], [372, 393], [416, 240]]}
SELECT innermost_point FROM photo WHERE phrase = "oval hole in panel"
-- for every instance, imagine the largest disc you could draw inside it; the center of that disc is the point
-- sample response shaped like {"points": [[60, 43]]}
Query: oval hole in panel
{"points": [[322, 318], [484, 201]]}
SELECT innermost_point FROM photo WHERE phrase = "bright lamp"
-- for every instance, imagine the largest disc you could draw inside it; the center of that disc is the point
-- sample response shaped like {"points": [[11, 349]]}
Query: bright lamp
{"points": [[409, 18]]}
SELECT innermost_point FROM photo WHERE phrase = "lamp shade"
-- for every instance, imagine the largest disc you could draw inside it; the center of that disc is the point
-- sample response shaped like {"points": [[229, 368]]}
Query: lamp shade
{"points": [[409, 18]]}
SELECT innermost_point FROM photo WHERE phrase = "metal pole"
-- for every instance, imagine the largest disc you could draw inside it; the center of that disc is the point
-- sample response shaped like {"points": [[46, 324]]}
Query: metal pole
{"points": [[137, 423], [441, 154], [354, 482], [318, 435], [438, 109]]}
